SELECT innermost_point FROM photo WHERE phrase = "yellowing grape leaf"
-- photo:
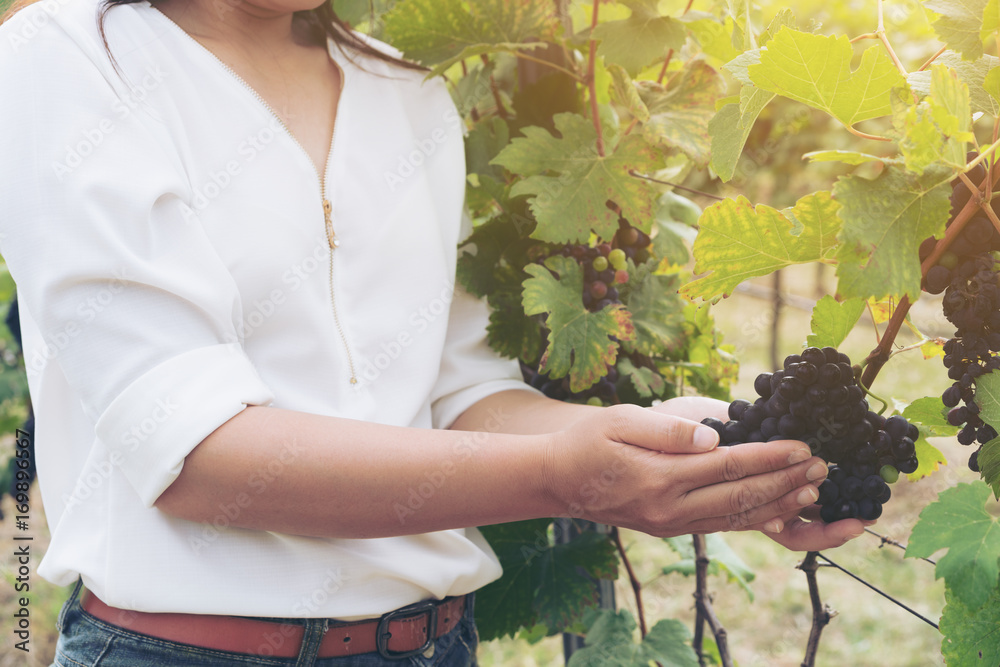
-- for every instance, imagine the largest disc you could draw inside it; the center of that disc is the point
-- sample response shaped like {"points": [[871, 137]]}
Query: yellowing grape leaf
{"points": [[736, 241], [938, 128], [991, 20], [971, 634], [580, 342], [833, 320], [641, 39], [816, 70], [884, 221], [958, 521], [570, 184], [960, 24], [444, 31], [657, 312], [680, 113]]}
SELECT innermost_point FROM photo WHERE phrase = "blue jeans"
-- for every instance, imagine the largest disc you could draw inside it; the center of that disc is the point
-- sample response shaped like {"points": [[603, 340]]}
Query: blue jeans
{"points": [[85, 641]]}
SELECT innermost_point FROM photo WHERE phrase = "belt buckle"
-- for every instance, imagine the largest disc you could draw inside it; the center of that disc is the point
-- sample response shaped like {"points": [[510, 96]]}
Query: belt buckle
{"points": [[382, 634]]}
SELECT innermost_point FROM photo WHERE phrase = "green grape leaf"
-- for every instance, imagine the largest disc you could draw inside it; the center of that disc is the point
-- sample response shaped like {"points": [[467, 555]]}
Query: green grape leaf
{"points": [[570, 183], [680, 113], [739, 11], [506, 605], [988, 398], [781, 19], [832, 320], [436, 31], [641, 39], [991, 20], [940, 127], [736, 241], [929, 458], [580, 342], [992, 83], [960, 24], [647, 382], [971, 74], [884, 221], [542, 582], [930, 411], [610, 642], [510, 333], [657, 313], [971, 634], [929, 415], [989, 465], [730, 128], [714, 38], [623, 91], [816, 71], [721, 558], [739, 67], [958, 521]]}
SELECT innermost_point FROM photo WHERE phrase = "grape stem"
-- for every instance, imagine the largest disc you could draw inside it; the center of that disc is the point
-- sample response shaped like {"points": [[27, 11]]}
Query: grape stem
{"points": [[880, 32], [868, 392], [930, 61], [670, 53], [633, 172], [705, 611]]}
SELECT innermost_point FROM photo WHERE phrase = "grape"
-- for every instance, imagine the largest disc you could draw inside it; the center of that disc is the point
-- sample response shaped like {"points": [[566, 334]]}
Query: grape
{"points": [[617, 259], [601, 263], [598, 289], [815, 398]]}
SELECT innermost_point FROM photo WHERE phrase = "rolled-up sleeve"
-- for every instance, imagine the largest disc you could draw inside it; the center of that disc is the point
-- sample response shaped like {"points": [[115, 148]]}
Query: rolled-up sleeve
{"points": [[134, 304]]}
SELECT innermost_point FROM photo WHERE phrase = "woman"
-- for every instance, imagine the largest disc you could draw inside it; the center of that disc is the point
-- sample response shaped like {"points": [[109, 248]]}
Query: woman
{"points": [[266, 418]]}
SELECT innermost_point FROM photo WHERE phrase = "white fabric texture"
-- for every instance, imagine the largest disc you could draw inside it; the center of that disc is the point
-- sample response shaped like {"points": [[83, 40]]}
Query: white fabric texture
{"points": [[167, 239]]}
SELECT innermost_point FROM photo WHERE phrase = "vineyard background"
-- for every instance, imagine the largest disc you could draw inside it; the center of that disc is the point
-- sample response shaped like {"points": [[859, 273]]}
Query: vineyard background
{"points": [[772, 629]]}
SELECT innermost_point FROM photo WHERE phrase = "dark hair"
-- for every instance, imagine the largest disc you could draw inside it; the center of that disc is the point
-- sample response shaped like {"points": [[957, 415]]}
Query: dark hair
{"points": [[324, 16]]}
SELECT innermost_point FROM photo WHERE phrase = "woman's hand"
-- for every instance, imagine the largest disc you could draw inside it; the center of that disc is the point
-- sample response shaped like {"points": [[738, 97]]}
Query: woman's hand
{"points": [[797, 531], [663, 475]]}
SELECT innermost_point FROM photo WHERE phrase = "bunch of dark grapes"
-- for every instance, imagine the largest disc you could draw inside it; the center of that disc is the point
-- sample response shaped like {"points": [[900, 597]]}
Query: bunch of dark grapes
{"points": [[968, 275], [605, 267], [816, 398]]}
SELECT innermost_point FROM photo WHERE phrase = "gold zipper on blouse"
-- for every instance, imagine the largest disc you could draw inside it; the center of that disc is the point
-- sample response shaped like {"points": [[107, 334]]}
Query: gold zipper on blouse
{"points": [[331, 235]]}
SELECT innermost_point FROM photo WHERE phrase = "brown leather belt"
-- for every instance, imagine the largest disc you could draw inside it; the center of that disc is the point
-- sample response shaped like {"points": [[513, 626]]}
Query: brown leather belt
{"points": [[398, 634]]}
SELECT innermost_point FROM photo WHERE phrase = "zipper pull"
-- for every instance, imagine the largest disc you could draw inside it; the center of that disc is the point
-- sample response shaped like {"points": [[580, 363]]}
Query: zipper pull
{"points": [[331, 236]]}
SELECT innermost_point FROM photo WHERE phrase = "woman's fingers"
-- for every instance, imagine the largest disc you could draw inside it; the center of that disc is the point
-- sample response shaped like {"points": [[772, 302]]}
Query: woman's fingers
{"points": [[632, 425], [744, 509], [799, 535], [729, 464]]}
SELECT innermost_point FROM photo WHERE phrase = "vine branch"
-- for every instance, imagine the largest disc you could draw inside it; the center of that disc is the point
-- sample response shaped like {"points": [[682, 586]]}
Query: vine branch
{"points": [[633, 172], [592, 82], [633, 580], [705, 612], [821, 614]]}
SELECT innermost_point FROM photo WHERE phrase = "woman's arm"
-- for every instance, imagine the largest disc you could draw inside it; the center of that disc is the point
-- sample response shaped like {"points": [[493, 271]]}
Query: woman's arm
{"points": [[312, 475]]}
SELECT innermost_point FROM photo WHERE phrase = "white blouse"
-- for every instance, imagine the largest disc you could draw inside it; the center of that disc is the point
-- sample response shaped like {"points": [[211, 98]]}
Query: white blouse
{"points": [[173, 262]]}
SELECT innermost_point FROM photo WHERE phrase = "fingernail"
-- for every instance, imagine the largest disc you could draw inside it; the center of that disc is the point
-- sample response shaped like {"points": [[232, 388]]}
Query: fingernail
{"points": [[798, 456], [773, 526], [807, 496], [816, 471], [705, 438]]}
